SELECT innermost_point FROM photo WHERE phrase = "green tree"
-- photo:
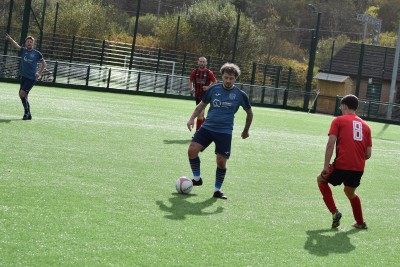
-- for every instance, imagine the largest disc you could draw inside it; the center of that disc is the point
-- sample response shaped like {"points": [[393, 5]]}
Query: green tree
{"points": [[209, 28], [324, 50], [389, 12], [166, 33], [87, 18]]}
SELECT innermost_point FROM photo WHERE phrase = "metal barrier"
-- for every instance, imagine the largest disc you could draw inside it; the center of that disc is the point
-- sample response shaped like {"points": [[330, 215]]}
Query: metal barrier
{"points": [[115, 79]]}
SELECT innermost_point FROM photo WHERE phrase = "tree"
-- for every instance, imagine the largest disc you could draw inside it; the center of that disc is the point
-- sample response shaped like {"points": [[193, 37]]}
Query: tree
{"points": [[213, 28], [389, 11], [86, 18]]}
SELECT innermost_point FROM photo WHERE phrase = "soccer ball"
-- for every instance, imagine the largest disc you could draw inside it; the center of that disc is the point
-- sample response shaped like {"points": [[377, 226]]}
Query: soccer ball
{"points": [[184, 185]]}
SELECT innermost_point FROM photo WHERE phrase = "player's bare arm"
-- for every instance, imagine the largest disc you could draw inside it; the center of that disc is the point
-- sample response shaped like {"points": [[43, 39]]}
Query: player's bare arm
{"points": [[330, 146], [43, 66], [368, 152], [199, 108], [249, 119], [12, 41], [191, 88]]}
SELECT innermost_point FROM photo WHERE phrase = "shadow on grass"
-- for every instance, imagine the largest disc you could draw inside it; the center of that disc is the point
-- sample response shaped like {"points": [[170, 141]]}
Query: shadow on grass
{"points": [[180, 207], [179, 142], [5, 121], [382, 131], [322, 243]]}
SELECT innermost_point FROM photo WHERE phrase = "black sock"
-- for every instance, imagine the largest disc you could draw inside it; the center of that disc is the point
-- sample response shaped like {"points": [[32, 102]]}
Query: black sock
{"points": [[219, 178], [195, 166], [25, 103]]}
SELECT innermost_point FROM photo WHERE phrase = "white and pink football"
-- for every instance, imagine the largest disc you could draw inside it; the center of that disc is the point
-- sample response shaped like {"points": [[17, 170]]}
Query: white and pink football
{"points": [[184, 185]]}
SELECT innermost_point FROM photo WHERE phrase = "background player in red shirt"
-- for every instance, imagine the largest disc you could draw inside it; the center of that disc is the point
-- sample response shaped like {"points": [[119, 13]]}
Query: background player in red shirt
{"points": [[352, 137], [200, 80]]}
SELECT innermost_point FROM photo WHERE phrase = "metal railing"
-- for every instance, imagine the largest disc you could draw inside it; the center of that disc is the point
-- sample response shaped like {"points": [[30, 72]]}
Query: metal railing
{"points": [[111, 78]]}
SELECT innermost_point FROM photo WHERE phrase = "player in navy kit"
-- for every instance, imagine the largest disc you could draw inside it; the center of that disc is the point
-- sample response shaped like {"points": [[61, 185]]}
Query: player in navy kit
{"points": [[225, 100], [28, 70]]}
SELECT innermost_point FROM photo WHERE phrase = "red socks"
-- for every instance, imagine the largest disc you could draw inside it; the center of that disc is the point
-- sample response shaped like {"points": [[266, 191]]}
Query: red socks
{"points": [[327, 196], [357, 211], [330, 203]]}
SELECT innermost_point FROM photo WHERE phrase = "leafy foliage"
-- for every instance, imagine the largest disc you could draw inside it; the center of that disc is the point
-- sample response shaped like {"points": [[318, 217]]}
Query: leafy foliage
{"points": [[268, 29]]}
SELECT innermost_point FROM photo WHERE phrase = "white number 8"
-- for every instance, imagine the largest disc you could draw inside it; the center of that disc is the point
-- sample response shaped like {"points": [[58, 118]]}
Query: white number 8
{"points": [[357, 131]]}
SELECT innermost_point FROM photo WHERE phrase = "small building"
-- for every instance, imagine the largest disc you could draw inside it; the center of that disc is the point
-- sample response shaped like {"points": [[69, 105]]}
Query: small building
{"points": [[363, 70], [330, 86]]}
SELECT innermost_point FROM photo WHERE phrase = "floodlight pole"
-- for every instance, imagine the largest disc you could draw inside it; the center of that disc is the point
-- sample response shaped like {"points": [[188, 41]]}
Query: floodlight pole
{"points": [[236, 37], [134, 35], [311, 61], [25, 21], [394, 78], [8, 26]]}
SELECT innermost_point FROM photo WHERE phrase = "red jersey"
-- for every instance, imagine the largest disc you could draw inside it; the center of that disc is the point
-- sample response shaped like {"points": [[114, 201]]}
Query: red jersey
{"points": [[353, 137], [201, 78]]}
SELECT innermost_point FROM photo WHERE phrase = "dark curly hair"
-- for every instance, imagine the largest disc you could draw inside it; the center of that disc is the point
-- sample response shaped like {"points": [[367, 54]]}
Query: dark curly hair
{"points": [[351, 101], [231, 69]]}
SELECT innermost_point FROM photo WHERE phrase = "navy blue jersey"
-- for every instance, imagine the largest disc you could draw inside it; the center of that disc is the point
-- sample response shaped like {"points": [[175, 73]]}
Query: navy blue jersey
{"points": [[223, 106], [29, 63]]}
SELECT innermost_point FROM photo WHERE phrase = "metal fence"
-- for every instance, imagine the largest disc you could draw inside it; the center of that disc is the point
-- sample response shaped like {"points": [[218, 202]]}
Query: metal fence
{"points": [[123, 78], [75, 49], [119, 79]]}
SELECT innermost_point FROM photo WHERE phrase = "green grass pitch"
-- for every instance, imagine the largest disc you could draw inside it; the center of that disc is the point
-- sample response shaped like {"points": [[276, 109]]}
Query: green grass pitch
{"points": [[90, 181]]}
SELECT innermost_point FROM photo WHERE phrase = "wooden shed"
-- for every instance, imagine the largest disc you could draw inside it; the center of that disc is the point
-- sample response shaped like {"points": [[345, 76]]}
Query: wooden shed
{"points": [[330, 86]]}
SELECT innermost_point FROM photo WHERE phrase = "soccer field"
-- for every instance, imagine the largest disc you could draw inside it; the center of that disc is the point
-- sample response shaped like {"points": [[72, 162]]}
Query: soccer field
{"points": [[90, 181]]}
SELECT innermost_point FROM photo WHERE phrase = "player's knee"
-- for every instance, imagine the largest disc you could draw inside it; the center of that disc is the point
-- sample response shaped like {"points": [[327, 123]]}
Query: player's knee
{"points": [[193, 150], [320, 179], [22, 94], [349, 192], [221, 162]]}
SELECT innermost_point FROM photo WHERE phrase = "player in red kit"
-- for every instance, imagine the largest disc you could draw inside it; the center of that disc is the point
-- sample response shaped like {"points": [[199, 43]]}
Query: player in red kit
{"points": [[352, 137], [200, 80]]}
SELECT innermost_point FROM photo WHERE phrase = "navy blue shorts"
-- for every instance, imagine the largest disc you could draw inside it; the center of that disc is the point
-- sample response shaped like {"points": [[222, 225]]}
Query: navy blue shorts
{"points": [[222, 141], [26, 84], [348, 178]]}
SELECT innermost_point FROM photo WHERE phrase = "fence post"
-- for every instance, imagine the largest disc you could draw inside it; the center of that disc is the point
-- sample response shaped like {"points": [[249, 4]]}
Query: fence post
{"points": [[184, 64], [109, 78], [369, 109], [25, 20], [265, 74], [87, 75], [236, 36], [55, 72], [158, 60], [277, 82], [54, 29], [177, 32], [337, 104], [289, 78], [8, 26], [360, 66], [102, 52], [138, 81], [253, 73], [72, 49], [166, 84], [278, 76], [285, 97]]}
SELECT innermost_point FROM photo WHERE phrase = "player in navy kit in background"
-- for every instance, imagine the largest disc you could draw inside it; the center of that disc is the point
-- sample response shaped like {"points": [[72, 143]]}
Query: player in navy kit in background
{"points": [[225, 100], [28, 70], [199, 81]]}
